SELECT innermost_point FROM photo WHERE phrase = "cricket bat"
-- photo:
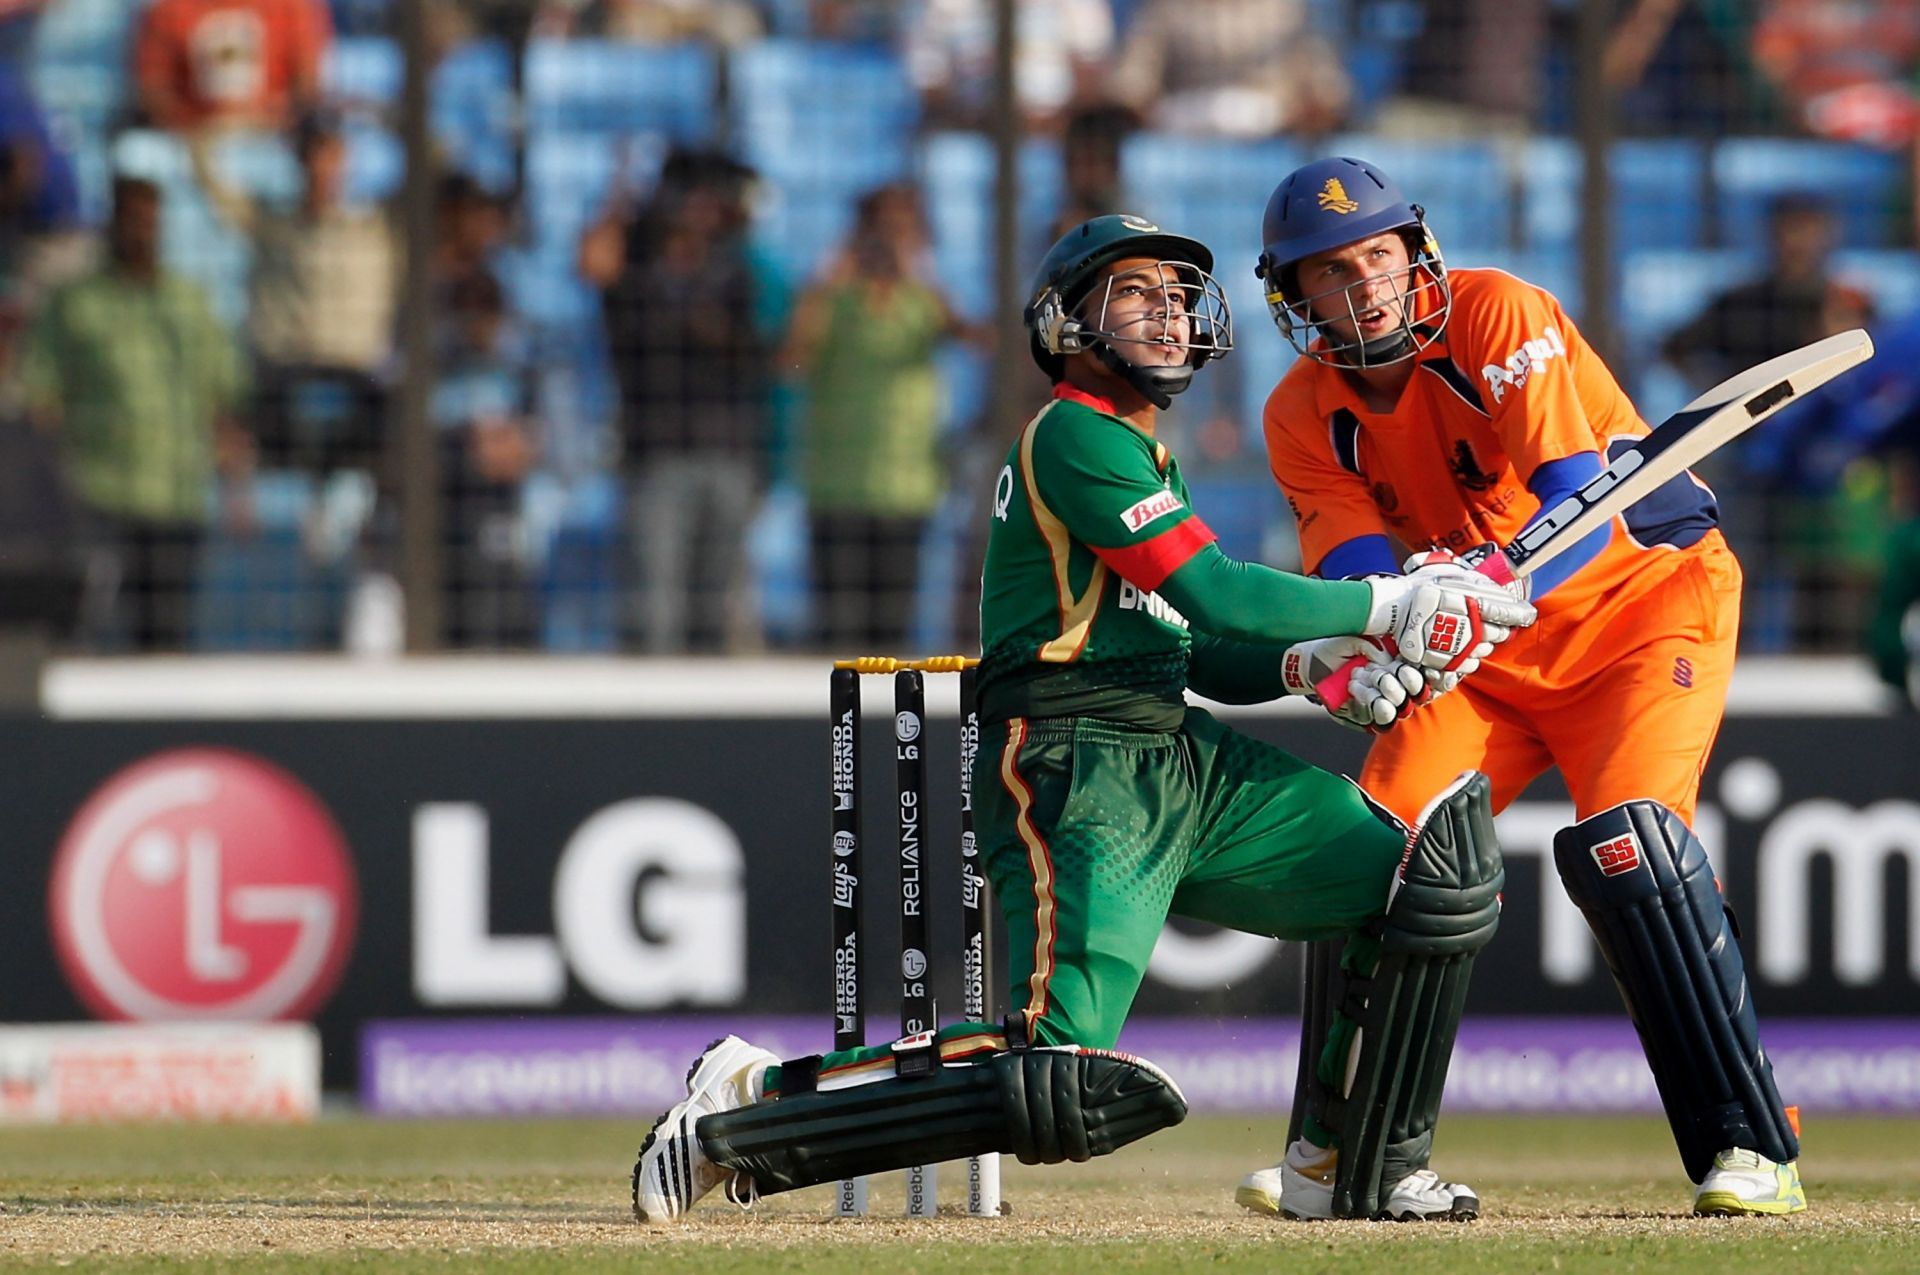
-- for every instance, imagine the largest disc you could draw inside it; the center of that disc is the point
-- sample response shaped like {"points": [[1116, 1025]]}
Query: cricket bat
{"points": [[1709, 422]]}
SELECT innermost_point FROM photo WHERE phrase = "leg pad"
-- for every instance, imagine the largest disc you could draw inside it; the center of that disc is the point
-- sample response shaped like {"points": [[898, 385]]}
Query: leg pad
{"points": [[1647, 889], [1044, 1105], [1444, 909]]}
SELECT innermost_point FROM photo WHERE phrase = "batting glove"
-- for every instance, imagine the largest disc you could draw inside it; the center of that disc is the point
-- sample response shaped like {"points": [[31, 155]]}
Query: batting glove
{"points": [[1379, 690], [1443, 626], [1481, 565]]}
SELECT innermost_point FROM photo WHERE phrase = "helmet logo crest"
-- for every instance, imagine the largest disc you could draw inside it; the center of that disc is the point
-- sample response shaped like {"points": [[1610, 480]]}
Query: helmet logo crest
{"points": [[1140, 224], [1333, 198]]}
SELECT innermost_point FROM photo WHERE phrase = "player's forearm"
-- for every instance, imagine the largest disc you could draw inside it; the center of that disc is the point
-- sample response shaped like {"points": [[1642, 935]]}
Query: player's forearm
{"points": [[1246, 602], [1551, 483], [1235, 672]]}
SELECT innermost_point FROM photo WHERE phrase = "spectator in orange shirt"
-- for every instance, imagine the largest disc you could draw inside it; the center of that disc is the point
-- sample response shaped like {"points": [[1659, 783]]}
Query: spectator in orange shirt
{"points": [[241, 63]]}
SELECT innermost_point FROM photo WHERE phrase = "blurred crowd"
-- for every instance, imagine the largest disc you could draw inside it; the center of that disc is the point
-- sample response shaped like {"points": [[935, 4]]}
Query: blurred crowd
{"points": [[785, 424]]}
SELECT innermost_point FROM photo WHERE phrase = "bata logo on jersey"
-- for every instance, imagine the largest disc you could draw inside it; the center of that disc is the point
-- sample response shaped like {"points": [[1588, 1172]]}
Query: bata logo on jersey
{"points": [[1622, 854], [1522, 362], [1155, 506], [1132, 598]]}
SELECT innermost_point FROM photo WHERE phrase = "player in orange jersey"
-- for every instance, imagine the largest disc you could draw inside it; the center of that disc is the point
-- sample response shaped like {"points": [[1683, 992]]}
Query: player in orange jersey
{"points": [[1437, 412]]}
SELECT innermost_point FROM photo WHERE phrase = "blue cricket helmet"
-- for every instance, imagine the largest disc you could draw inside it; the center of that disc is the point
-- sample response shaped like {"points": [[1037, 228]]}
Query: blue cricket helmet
{"points": [[1329, 203]]}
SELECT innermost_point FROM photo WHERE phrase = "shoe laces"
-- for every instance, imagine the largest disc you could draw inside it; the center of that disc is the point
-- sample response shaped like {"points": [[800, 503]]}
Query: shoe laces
{"points": [[742, 1190], [1740, 1158]]}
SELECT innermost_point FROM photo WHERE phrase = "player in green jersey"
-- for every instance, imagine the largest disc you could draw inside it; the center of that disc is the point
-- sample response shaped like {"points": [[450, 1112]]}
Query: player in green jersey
{"points": [[1104, 803]]}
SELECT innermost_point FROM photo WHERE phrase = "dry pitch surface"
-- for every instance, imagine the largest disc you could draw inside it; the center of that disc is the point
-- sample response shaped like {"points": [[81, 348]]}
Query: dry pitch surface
{"points": [[1560, 1195]]}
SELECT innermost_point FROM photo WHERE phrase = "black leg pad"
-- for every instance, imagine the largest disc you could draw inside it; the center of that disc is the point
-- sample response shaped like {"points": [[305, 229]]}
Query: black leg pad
{"points": [[1444, 910], [1044, 1105], [1647, 889]]}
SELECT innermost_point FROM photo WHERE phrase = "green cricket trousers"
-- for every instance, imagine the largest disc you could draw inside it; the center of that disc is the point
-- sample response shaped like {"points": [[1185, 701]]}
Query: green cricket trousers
{"points": [[1093, 833]]}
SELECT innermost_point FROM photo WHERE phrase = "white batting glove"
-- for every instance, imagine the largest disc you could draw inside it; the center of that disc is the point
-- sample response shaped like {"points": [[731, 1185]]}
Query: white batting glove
{"points": [[1481, 565], [1443, 626], [1378, 690]]}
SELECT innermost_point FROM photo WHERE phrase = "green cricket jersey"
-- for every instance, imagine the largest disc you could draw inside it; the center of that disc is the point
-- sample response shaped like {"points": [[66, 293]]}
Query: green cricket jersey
{"points": [[1090, 518]]}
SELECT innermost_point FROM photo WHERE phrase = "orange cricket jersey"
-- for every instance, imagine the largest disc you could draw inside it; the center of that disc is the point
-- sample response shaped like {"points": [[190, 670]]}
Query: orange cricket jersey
{"points": [[1510, 386], [1622, 681]]}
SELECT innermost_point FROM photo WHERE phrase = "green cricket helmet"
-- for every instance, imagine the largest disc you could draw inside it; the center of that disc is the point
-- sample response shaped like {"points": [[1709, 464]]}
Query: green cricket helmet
{"points": [[1068, 304]]}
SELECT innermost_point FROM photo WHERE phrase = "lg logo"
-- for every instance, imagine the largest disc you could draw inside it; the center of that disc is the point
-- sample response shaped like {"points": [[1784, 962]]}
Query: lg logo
{"points": [[202, 883], [649, 908]]}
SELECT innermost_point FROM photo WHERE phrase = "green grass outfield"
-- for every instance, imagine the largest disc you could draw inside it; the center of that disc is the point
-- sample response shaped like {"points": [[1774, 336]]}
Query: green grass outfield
{"points": [[1560, 1194]]}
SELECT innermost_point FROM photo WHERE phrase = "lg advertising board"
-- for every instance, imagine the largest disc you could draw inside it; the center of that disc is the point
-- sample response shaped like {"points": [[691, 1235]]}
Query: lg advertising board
{"points": [[357, 870]]}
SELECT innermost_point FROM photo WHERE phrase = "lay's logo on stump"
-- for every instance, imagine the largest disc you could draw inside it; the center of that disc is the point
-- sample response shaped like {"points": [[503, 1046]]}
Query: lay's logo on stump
{"points": [[1622, 854]]}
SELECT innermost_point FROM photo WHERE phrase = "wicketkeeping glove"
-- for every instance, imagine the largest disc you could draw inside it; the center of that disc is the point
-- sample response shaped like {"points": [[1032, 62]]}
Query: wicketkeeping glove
{"points": [[1379, 688]]}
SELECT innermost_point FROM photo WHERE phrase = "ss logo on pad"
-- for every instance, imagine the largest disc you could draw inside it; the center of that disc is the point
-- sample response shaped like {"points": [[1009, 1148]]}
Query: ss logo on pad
{"points": [[1622, 854]]}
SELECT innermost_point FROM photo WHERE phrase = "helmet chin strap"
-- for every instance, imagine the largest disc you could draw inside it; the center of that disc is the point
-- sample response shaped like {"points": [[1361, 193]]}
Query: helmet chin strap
{"points": [[1386, 349], [1157, 385]]}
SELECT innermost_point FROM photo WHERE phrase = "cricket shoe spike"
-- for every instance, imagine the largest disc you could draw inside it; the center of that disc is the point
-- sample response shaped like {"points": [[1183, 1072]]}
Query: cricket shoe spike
{"points": [[1743, 1183], [672, 1172], [1301, 1186]]}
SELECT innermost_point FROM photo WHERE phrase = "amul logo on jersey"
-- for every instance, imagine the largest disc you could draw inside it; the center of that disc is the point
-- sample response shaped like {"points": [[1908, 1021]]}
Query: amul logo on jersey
{"points": [[1523, 362], [202, 883]]}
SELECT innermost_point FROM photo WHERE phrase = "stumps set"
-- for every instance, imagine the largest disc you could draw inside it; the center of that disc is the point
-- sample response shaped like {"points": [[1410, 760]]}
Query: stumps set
{"points": [[918, 1010]]}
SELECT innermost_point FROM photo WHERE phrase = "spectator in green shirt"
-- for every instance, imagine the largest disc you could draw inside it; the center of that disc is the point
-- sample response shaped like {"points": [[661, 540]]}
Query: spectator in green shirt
{"points": [[130, 371], [1893, 633], [864, 339]]}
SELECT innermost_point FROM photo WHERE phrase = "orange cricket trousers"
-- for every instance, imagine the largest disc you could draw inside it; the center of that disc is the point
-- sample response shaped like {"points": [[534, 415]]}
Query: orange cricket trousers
{"points": [[1625, 697]]}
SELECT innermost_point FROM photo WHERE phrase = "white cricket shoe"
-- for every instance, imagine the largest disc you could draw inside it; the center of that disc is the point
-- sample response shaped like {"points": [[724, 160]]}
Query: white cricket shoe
{"points": [[1744, 1182], [1301, 1187], [672, 1171]]}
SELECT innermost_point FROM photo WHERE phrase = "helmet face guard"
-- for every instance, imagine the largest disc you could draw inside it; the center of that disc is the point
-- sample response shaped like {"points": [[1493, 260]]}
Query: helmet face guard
{"points": [[1420, 289], [1330, 204], [1075, 307], [1181, 289]]}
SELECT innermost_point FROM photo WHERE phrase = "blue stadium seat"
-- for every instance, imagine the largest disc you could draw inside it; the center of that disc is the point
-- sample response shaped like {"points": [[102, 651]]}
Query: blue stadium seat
{"points": [[1891, 276], [823, 123], [1211, 188], [1557, 272], [472, 109], [1464, 186], [823, 114], [1660, 289], [957, 176], [1239, 508], [470, 98], [364, 70], [194, 241], [1864, 187], [569, 176], [77, 68], [376, 163], [581, 572], [604, 86], [262, 591], [1215, 190], [1657, 197]]}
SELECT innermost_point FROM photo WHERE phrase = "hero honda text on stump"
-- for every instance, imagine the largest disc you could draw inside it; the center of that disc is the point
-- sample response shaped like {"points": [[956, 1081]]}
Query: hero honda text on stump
{"points": [[919, 1013]]}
